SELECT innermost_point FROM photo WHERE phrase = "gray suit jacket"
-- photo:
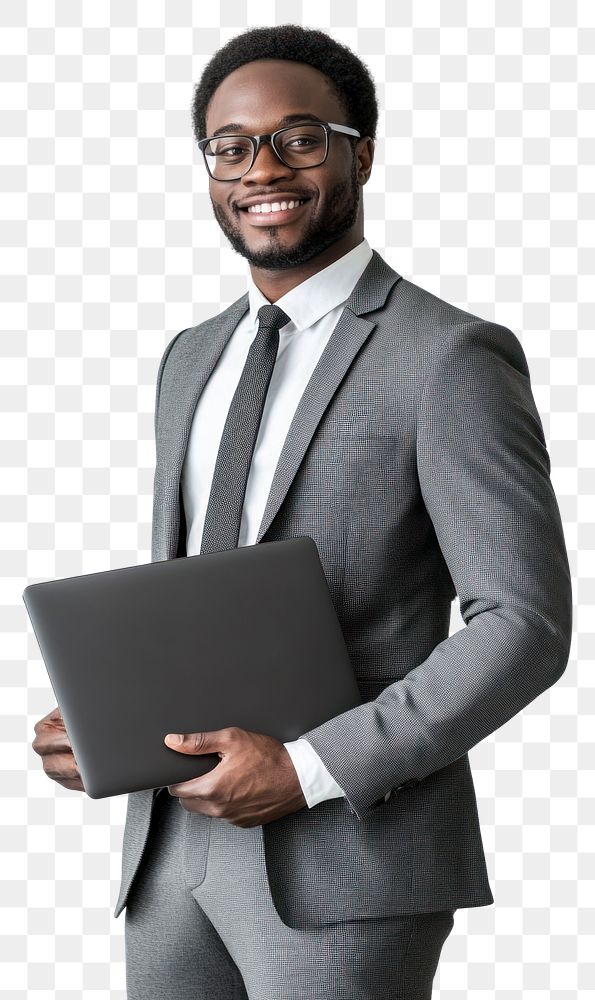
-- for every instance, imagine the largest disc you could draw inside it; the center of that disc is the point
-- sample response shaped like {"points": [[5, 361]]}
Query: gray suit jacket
{"points": [[416, 460]]}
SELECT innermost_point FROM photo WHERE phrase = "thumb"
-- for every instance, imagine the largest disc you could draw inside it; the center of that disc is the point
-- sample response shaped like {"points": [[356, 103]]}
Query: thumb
{"points": [[192, 742]]}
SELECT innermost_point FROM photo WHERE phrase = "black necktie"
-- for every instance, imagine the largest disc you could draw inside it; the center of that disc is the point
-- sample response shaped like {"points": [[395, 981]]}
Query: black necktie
{"points": [[226, 500]]}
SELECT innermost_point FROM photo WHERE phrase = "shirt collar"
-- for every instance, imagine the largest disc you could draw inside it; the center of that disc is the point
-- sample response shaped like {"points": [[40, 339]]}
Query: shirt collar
{"points": [[317, 295]]}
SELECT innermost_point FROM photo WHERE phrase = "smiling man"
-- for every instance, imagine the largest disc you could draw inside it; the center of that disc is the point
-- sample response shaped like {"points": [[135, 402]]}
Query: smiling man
{"points": [[338, 400], [286, 245]]}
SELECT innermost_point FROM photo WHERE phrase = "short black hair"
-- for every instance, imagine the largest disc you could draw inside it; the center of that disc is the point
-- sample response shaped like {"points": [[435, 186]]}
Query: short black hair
{"points": [[349, 78]]}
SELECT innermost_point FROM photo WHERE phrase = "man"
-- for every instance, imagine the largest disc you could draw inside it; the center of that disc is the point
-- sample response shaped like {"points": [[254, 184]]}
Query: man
{"points": [[337, 400]]}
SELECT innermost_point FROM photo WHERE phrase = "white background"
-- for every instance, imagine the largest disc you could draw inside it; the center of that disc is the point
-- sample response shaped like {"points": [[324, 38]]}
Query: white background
{"points": [[482, 192]]}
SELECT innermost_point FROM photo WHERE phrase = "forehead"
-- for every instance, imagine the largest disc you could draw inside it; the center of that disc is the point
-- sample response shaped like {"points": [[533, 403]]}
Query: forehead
{"points": [[258, 95]]}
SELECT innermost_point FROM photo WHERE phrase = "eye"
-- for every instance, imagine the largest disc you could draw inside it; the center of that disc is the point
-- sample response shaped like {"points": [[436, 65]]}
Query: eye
{"points": [[302, 138], [231, 149]]}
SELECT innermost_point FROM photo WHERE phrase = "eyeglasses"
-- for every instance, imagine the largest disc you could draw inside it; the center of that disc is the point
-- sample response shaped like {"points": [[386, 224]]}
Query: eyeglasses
{"points": [[228, 157]]}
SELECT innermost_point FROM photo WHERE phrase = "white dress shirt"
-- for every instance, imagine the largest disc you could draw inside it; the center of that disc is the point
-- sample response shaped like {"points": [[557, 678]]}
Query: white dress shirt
{"points": [[314, 307]]}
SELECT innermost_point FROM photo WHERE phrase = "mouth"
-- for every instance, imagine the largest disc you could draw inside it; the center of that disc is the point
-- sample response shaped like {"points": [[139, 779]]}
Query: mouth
{"points": [[279, 218]]}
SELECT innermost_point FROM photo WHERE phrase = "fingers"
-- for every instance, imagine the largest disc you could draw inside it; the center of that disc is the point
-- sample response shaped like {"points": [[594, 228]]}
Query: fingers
{"points": [[51, 741], [54, 716], [51, 723], [50, 733], [53, 746], [61, 767]]}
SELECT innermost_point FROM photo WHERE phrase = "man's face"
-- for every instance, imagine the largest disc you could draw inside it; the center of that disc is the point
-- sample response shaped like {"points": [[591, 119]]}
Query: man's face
{"points": [[257, 96]]}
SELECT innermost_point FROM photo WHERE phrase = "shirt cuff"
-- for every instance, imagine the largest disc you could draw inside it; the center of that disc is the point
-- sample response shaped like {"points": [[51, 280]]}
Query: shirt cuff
{"points": [[316, 781]]}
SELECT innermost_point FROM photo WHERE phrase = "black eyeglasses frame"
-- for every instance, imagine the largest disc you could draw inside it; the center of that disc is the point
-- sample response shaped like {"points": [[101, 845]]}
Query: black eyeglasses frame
{"points": [[258, 140]]}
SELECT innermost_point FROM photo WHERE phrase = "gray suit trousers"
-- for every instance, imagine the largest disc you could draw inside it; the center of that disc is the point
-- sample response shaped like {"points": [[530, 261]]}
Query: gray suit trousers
{"points": [[215, 934]]}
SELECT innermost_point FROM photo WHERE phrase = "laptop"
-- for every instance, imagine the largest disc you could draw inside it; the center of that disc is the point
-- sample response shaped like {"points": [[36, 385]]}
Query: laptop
{"points": [[245, 637]]}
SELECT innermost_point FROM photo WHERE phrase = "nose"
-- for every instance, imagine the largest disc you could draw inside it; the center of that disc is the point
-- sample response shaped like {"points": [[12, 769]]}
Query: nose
{"points": [[267, 164]]}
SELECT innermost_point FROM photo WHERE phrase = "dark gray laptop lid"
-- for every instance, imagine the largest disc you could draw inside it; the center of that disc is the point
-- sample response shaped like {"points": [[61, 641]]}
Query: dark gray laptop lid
{"points": [[247, 637]]}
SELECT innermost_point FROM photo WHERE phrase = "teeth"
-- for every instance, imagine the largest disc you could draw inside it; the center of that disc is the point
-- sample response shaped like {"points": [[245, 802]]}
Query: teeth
{"points": [[275, 206]]}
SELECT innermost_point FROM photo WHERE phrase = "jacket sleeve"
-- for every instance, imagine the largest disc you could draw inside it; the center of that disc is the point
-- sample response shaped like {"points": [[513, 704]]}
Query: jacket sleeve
{"points": [[484, 476]]}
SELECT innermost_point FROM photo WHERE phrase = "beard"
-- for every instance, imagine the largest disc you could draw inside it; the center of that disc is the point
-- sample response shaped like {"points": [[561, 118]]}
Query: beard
{"points": [[339, 217]]}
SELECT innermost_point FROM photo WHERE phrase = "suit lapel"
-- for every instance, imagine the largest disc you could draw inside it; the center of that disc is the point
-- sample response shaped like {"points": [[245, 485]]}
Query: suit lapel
{"points": [[345, 341], [195, 359], [350, 333], [200, 354]]}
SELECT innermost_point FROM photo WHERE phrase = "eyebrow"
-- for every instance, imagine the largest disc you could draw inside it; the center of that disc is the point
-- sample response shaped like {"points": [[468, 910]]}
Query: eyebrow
{"points": [[286, 120]]}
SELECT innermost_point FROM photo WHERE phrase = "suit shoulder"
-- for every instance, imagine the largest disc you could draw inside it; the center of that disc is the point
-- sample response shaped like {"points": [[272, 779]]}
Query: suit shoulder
{"points": [[437, 329], [428, 312], [188, 337]]}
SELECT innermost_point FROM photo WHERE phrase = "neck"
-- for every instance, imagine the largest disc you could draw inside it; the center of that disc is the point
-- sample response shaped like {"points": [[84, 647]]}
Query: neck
{"points": [[275, 284]]}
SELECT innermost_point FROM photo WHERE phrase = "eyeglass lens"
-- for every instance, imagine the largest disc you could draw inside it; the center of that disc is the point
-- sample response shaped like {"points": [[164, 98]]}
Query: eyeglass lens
{"points": [[230, 156]]}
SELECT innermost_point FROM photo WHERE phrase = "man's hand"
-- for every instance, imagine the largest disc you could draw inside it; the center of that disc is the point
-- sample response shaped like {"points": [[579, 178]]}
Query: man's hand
{"points": [[254, 783], [52, 744]]}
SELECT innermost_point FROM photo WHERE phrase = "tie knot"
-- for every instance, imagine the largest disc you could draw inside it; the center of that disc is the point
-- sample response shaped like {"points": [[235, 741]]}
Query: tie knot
{"points": [[272, 317]]}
